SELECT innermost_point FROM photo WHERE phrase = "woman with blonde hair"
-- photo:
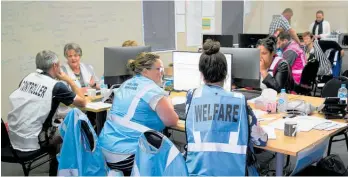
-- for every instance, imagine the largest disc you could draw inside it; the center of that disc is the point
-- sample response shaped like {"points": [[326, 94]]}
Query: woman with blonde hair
{"points": [[129, 43], [139, 104]]}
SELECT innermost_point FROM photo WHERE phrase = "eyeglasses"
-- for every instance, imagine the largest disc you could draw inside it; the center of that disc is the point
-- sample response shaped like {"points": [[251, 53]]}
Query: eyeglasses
{"points": [[160, 69]]}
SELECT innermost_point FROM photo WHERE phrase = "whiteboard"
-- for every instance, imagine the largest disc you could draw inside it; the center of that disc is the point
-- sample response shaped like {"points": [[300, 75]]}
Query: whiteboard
{"points": [[29, 27]]}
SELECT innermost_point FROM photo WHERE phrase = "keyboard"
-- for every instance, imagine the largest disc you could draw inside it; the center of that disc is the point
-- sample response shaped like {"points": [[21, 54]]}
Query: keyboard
{"points": [[249, 94], [180, 110]]}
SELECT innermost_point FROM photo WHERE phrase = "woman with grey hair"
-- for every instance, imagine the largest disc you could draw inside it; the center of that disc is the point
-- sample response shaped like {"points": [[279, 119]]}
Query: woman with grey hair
{"points": [[82, 74]]}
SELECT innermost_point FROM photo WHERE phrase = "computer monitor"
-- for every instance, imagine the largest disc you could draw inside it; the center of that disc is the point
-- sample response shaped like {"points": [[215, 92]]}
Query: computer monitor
{"points": [[300, 36], [249, 40], [245, 66], [186, 71], [225, 40], [115, 62]]}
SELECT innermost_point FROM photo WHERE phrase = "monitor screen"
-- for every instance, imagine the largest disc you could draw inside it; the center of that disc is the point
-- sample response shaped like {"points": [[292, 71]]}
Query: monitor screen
{"points": [[245, 66], [225, 40], [186, 71], [249, 40], [115, 62]]}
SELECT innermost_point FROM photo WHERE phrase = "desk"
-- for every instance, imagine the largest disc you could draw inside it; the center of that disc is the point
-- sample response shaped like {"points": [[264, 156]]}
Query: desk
{"points": [[284, 145], [100, 113]]}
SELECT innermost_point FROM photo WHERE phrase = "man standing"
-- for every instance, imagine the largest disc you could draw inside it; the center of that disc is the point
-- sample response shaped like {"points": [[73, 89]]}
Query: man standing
{"points": [[293, 54], [283, 22], [320, 28], [35, 102]]}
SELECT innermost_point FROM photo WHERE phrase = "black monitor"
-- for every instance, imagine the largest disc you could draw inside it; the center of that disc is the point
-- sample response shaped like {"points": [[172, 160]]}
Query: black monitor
{"points": [[249, 40], [115, 62], [300, 36], [225, 40], [245, 66]]}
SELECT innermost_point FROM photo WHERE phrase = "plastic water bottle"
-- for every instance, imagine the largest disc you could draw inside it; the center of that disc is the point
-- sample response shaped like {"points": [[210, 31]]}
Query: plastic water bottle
{"points": [[342, 93], [282, 101], [279, 53], [103, 86]]}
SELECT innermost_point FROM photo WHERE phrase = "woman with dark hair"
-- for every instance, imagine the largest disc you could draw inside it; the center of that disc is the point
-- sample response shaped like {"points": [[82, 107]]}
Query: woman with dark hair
{"points": [[218, 122], [275, 71]]}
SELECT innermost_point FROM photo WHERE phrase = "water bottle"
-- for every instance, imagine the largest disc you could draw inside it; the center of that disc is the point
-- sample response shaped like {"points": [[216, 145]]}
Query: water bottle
{"points": [[103, 86], [279, 53], [282, 101], [342, 93]]}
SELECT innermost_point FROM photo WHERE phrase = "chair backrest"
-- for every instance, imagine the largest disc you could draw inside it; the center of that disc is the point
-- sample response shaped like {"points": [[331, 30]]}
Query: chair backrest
{"points": [[309, 72], [5, 139], [330, 89], [85, 130]]}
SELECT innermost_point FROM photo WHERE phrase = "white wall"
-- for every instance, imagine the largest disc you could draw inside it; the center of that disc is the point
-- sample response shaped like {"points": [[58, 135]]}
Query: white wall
{"points": [[259, 19]]}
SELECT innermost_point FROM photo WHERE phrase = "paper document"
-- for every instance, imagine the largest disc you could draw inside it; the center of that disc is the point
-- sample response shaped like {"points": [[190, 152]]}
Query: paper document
{"points": [[98, 105], [178, 100], [259, 113], [180, 25], [253, 100], [265, 119], [304, 123], [270, 131]]}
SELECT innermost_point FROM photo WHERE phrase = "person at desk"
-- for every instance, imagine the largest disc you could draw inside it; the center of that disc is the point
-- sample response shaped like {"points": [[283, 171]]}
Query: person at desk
{"points": [[293, 54], [82, 74], [320, 28], [139, 104], [218, 122], [283, 21], [317, 49], [34, 103], [275, 71]]}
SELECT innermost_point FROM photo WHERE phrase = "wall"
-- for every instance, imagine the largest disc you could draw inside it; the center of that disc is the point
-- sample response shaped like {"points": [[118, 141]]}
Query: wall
{"points": [[28, 27], [335, 12], [260, 17], [181, 37]]}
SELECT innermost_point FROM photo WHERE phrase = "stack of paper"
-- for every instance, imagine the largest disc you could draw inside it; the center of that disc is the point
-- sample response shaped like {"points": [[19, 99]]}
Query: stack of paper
{"points": [[98, 105], [330, 125]]}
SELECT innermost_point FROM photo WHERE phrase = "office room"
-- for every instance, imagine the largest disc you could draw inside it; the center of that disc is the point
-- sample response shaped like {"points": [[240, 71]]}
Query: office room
{"points": [[174, 88]]}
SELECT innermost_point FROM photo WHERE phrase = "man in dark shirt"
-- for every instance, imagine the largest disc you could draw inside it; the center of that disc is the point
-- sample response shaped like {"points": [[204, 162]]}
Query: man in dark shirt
{"points": [[35, 102]]}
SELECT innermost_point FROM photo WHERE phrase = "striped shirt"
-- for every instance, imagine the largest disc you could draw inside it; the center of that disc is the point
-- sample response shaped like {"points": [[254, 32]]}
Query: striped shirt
{"points": [[321, 51]]}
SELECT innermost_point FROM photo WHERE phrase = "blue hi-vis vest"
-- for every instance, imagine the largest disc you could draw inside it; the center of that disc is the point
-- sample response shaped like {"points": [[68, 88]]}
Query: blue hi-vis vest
{"points": [[132, 113], [164, 161], [217, 133], [76, 157]]}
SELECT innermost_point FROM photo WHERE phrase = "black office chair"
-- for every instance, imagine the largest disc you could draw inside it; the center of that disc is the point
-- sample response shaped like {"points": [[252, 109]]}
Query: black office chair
{"points": [[330, 90], [26, 159], [308, 77]]}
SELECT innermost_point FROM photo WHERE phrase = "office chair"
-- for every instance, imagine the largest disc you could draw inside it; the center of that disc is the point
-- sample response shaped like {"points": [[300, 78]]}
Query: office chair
{"points": [[308, 77], [330, 90], [26, 159]]}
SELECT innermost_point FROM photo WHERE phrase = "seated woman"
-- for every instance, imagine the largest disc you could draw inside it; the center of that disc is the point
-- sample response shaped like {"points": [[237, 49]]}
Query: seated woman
{"points": [[82, 74], [218, 122], [275, 71], [129, 43], [139, 104]]}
